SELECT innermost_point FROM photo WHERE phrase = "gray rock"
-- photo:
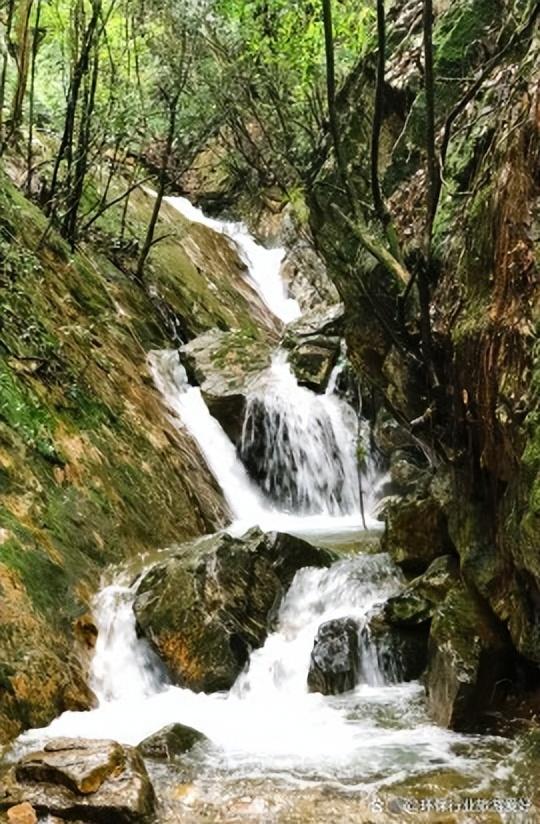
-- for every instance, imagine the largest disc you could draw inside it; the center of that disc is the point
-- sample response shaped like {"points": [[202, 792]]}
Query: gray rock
{"points": [[334, 660], [399, 653], [224, 364], [99, 781], [314, 343], [170, 741], [470, 656]]}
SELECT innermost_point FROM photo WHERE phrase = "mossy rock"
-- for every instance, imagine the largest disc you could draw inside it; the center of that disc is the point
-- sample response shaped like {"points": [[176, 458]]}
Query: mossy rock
{"points": [[169, 742], [416, 532], [212, 602], [469, 655], [417, 603]]}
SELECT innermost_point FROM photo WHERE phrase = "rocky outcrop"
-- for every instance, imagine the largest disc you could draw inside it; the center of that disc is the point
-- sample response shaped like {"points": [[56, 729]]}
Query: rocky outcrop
{"points": [[303, 268], [416, 532], [334, 662], [94, 781], [313, 344], [417, 602], [224, 364], [170, 741], [211, 602], [470, 661], [395, 653]]}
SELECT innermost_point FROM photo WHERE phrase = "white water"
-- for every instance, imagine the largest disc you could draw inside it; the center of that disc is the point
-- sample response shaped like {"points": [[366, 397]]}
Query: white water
{"points": [[301, 446], [268, 723], [263, 265], [324, 425]]}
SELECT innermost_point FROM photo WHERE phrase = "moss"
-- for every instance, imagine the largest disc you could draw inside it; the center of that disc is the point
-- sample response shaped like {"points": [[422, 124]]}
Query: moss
{"points": [[459, 34], [21, 410]]}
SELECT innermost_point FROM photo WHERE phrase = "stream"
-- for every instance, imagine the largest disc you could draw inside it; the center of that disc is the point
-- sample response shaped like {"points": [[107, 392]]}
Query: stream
{"points": [[277, 753]]}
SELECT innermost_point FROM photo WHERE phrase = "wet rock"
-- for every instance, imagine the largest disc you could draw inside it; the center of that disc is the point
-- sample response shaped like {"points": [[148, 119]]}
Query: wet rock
{"points": [[314, 345], [223, 364], [303, 269], [469, 654], [334, 660], [22, 814], [397, 653], [416, 532], [211, 603], [417, 603], [99, 781], [172, 740]]}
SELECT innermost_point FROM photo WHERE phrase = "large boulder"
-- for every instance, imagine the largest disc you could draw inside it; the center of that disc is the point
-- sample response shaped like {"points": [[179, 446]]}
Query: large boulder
{"points": [[99, 781], [224, 364], [334, 660], [212, 601], [314, 343], [416, 532], [470, 656], [172, 740]]}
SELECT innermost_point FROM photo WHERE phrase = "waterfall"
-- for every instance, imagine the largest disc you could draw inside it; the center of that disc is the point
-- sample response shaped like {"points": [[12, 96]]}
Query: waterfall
{"points": [[263, 265], [301, 447], [123, 667], [295, 471], [319, 475], [189, 410]]}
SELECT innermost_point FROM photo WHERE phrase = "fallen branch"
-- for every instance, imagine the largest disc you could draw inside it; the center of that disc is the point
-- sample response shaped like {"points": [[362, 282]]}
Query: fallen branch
{"points": [[375, 247]]}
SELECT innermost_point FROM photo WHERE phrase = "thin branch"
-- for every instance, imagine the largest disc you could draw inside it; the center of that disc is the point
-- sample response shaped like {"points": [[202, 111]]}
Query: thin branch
{"points": [[375, 247]]}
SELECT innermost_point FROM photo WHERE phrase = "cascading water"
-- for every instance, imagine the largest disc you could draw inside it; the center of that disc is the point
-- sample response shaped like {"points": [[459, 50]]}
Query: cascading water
{"points": [[268, 725], [301, 447], [321, 476], [263, 265]]}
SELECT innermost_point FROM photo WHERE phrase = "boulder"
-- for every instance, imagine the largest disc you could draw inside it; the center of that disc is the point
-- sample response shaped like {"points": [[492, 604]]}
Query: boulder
{"points": [[469, 654], [416, 532], [314, 343], [334, 660], [99, 781], [224, 364], [212, 601], [170, 741], [391, 653], [417, 603]]}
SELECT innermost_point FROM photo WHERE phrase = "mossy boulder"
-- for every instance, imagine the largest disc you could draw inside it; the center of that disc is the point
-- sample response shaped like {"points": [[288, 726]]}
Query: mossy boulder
{"points": [[417, 603], [416, 532], [224, 364], [313, 344], [93, 781], [212, 602], [469, 655], [171, 741]]}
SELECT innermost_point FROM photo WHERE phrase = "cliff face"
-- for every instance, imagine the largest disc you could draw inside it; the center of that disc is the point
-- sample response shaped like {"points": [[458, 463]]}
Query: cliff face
{"points": [[476, 433], [91, 470]]}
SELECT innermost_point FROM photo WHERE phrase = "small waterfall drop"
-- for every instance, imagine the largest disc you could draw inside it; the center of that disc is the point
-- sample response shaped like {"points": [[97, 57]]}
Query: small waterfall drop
{"points": [[323, 479], [189, 410], [263, 265], [301, 447], [124, 667]]}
